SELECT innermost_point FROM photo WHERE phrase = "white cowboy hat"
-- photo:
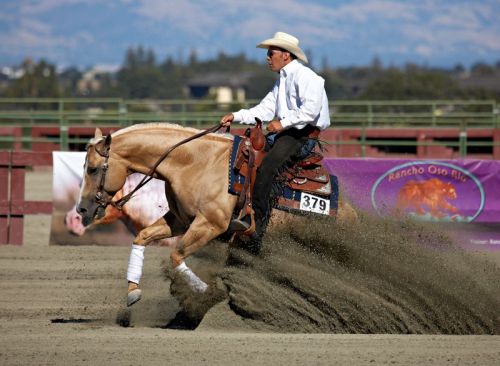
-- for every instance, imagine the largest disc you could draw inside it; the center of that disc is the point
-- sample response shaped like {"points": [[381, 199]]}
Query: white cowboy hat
{"points": [[285, 41]]}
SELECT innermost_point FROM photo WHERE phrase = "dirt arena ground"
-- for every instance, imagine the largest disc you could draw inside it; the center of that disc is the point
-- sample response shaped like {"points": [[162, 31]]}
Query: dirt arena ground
{"points": [[60, 305]]}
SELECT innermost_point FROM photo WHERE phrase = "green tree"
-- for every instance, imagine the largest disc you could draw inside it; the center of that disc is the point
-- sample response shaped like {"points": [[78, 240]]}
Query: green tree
{"points": [[140, 77], [414, 83], [38, 81], [68, 80], [335, 86], [483, 69], [173, 76]]}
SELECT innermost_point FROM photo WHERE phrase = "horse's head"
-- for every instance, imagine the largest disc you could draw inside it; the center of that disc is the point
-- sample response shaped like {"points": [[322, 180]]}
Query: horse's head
{"points": [[103, 176]]}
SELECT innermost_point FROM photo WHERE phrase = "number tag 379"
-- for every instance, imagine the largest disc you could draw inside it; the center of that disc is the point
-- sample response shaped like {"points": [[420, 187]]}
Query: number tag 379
{"points": [[316, 204]]}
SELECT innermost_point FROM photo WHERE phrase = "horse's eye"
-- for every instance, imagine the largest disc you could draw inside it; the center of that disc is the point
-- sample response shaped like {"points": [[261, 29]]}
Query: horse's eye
{"points": [[91, 170]]}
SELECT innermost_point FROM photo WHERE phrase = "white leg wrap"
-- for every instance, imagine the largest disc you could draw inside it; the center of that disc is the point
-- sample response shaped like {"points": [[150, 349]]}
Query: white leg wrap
{"points": [[135, 263], [194, 281]]}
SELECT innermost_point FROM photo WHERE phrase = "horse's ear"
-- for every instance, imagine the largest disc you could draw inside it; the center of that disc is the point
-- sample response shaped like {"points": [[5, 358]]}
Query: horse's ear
{"points": [[98, 133], [107, 142]]}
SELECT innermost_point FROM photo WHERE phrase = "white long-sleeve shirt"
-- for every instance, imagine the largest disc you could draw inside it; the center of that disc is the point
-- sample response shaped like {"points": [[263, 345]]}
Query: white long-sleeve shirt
{"points": [[303, 100]]}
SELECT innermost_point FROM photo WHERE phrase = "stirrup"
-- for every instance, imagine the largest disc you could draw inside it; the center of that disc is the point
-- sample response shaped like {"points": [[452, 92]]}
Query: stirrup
{"points": [[241, 227]]}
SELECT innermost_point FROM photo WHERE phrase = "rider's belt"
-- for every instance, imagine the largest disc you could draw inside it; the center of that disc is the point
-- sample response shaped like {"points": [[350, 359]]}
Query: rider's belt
{"points": [[310, 131], [314, 134]]}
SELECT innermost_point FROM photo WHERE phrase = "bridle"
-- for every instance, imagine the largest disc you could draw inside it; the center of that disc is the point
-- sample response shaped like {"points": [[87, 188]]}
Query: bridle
{"points": [[99, 196]]}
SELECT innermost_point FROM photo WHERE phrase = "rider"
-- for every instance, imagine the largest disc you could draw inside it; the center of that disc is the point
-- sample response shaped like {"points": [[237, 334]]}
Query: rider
{"points": [[297, 107]]}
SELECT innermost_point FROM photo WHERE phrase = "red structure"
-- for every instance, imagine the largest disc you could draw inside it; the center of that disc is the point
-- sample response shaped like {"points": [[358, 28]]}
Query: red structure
{"points": [[41, 136], [413, 143], [13, 206], [409, 143]]}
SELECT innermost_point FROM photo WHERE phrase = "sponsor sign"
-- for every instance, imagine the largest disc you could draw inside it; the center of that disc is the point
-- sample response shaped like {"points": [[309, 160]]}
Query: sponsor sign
{"points": [[464, 195]]}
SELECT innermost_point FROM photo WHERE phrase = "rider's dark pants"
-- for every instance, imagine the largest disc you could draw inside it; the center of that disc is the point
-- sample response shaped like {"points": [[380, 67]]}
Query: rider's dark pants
{"points": [[287, 145]]}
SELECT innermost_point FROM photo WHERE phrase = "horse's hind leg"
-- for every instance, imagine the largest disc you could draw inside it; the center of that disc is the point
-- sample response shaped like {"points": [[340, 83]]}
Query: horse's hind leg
{"points": [[200, 232], [164, 227]]}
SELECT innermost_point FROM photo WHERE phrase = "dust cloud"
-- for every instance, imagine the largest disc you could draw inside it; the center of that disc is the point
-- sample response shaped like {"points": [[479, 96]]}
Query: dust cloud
{"points": [[375, 276]]}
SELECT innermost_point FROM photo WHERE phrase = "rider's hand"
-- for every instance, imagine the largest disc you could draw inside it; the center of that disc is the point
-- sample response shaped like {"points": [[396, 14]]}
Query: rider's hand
{"points": [[274, 126], [226, 120]]}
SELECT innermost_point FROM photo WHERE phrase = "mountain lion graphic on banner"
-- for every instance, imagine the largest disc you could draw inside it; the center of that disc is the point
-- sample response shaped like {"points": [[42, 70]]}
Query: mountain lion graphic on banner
{"points": [[427, 196]]}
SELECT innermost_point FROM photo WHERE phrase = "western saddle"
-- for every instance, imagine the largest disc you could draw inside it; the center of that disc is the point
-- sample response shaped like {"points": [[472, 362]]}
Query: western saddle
{"points": [[307, 175]]}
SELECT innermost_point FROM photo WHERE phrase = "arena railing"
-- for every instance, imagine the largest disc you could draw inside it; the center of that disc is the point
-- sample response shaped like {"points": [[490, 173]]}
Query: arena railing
{"points": [[13, 205], [70, 115]]}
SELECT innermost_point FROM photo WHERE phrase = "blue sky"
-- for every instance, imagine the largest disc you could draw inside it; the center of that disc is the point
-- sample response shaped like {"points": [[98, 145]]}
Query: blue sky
{"points": [[96, 32]]}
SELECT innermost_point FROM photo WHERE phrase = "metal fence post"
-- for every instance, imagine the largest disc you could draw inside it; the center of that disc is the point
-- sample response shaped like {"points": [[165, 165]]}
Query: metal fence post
{"points": [[122, 110], [183, 110], [433, 114], [370, 114], [463, 143], [363, 140], [496, 115], [63, 128]]}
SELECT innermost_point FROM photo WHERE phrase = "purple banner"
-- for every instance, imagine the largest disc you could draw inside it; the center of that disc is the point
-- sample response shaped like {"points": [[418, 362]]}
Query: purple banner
{"points": [[463, 193]]}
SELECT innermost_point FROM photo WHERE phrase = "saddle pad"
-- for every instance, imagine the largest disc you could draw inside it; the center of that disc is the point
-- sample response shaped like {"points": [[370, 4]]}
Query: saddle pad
{"points": [[290, 199]]}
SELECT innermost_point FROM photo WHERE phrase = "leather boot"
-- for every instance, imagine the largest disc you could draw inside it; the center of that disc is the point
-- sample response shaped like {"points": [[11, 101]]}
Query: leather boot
{"points": [[242, 224]]}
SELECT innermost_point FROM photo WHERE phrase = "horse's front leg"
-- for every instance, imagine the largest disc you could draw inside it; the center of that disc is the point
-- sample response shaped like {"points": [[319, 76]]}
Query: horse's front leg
{"points": [[165, 227], [200, 232]]}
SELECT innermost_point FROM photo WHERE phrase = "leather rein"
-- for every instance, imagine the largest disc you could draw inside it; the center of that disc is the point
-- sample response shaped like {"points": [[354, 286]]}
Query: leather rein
{"points": [[99, 196]]}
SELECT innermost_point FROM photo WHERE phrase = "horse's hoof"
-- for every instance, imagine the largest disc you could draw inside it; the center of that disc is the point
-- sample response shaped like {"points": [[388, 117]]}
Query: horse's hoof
{"points": [[134, 296]]}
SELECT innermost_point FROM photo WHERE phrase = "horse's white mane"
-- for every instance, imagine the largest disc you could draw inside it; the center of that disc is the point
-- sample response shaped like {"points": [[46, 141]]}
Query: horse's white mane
{"points": [[163, 125]]}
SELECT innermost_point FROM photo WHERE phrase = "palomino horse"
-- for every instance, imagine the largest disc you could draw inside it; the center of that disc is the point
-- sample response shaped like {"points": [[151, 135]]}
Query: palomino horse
{"points": [[196, 186]]}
